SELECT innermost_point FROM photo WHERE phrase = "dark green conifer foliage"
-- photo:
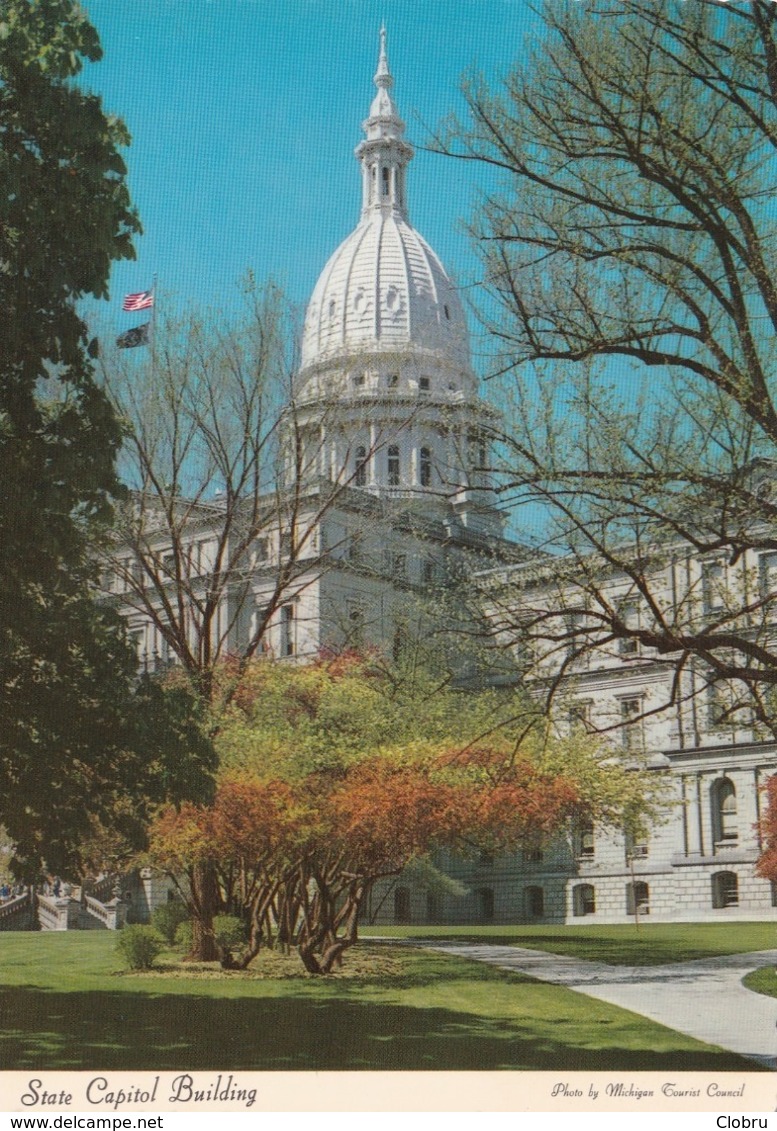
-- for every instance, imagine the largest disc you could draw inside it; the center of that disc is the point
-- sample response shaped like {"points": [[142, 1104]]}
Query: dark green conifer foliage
{"points": [[78, 740]]}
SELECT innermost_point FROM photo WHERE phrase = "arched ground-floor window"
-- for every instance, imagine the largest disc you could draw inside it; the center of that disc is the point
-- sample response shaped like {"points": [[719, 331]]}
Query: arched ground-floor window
{"points": [[432, 907], [402, 905], [485, 898], [584, 900], [725, 889], [533, 902], [637, 898]]}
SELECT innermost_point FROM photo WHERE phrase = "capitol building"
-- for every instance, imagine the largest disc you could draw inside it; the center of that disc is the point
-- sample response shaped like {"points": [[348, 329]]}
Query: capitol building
{"points": [[387, 408]]}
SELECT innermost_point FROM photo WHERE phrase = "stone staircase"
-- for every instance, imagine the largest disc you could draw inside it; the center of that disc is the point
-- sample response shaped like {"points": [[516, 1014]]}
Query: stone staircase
{"points": [[18, 913], [98, 908]]}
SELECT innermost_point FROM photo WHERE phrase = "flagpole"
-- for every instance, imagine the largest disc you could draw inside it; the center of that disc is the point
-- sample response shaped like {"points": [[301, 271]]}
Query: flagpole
{"points": [[153, 327]]}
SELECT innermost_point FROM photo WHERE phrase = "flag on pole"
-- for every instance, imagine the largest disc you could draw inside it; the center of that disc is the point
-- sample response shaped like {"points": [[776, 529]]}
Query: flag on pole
{"points": [[137, 336], [140, 301]]}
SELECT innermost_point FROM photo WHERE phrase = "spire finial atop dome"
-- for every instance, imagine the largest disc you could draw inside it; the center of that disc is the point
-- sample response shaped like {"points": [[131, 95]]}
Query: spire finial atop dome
{"points": [[384, 153], [383, 77]]}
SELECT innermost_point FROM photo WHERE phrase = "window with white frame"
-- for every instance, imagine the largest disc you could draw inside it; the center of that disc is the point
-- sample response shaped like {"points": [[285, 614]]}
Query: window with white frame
{"points": [[355, 628], [637, 898], [767, 568], [628, 615], [718, 706], [425, 467], [579, 714], [725, 890], [533, 902], [396, 564], [584, 900], [287, 630], [393, 468], [713, 578], [723, 796], [632, 733], [360, 467], [586, 846], [260, 550], [637, 845]]}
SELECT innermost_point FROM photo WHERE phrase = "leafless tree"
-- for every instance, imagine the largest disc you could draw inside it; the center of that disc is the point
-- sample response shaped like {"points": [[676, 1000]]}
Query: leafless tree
{"points": [[222, 527], [629, 282]]}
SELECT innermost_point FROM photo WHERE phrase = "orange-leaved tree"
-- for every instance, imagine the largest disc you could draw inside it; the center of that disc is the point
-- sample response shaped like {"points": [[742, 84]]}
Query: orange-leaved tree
{"points": [[767, 862], [335, 776]]}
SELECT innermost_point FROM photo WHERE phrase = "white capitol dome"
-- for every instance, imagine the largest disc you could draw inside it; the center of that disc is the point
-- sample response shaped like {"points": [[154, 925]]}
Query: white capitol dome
{"points": [[386, 399], [384, 289]]}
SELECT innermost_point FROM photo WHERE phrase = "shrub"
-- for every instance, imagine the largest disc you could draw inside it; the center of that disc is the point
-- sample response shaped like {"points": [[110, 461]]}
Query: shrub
{"points": [[167, 918], [184, 935], [139, 945], [229, 931]]}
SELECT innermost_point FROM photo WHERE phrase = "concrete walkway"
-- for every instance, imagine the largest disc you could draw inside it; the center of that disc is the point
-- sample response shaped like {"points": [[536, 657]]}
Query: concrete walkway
{"points": [[704, 999]]}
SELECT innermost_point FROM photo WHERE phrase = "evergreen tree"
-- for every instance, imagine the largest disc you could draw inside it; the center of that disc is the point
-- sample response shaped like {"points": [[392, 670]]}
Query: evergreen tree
{"points": [[73, 743]]}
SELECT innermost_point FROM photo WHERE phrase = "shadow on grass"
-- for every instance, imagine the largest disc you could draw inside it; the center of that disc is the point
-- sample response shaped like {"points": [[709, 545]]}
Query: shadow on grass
{"points": [[143, 1030]]}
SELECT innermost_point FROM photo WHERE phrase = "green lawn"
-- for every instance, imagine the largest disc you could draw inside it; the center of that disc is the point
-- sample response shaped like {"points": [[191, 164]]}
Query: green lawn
{"points": [[762, 981], [65, 1004], [653, 944]]}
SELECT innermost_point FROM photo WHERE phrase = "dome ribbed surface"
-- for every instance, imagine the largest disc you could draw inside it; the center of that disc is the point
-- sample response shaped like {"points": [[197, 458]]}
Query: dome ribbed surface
{"points": [[384, 289]]}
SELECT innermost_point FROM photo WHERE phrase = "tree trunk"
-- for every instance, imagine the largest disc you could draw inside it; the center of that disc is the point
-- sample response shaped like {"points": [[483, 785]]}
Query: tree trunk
{"points": [[204, 905]]}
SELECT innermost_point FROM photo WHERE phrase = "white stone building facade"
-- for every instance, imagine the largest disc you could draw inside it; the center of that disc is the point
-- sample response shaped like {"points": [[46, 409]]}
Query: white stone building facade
{"points": [[387, 406]]}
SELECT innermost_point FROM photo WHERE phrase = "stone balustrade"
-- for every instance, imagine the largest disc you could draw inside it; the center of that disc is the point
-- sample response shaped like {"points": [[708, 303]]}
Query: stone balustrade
{"points": [[57, 913], [112, 914], [13, 908]]}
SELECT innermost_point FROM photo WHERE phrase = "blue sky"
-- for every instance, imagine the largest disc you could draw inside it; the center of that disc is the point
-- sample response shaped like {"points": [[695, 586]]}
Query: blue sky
{"points": [[245, 114]]}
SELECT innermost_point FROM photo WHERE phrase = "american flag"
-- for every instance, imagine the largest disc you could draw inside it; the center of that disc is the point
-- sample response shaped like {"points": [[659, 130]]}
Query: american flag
{"points": [[141, 301]]}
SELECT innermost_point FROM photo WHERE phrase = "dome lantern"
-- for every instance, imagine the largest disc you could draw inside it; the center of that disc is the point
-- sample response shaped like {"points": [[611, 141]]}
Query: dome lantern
{"points": [[384, 154]]}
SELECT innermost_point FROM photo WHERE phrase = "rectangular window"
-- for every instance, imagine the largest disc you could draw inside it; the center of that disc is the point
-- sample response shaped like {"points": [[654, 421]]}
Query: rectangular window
{"points": [[628, 616], [713, 586], [631, 723], [137, 638], [393, 466], [355, 548], [636, 845], [767, 564], [355, 626], [360, 467], [576, 639], [126, 570], [425, 467], [579, 714], [718, 715], [424, 384], [260, 550], [201, 557], [287, 630], [585, 840], [397, 564]]}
